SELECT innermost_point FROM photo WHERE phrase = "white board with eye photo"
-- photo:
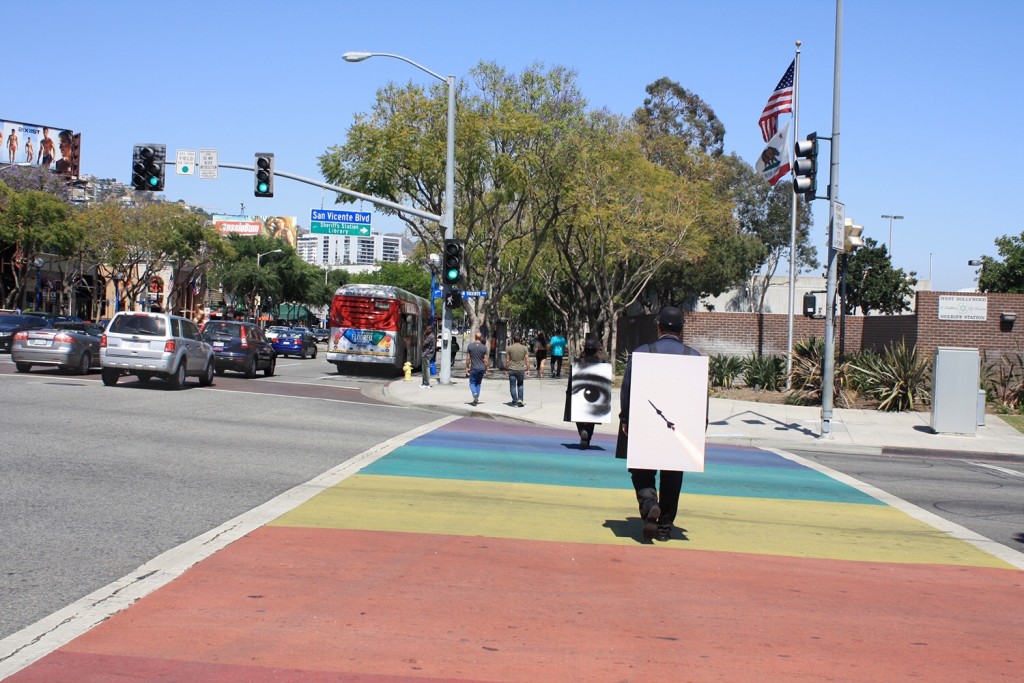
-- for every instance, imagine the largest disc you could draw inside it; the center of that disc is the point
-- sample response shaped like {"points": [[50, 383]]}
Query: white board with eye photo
{"points": [[668, 403], [590, 392]]}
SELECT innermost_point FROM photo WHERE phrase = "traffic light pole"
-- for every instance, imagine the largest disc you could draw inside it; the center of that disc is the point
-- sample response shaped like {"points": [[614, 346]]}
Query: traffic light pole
{"points": [[340, 190], [829, 365]]}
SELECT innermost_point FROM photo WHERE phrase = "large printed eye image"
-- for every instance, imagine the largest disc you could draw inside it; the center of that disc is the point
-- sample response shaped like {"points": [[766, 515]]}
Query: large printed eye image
{"points": [[591, 392]]}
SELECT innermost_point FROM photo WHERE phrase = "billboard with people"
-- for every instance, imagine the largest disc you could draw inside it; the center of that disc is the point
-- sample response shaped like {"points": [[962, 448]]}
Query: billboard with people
{"points": [[284, 228], [31, 144]]}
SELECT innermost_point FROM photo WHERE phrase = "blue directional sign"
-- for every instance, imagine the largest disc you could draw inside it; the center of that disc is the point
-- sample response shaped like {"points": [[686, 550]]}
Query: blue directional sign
{"points": [[327, 222], [477, 293]]}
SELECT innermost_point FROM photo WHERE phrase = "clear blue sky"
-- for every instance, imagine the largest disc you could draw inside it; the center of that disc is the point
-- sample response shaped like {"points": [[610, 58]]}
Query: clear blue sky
{"points": [[931, 96]]}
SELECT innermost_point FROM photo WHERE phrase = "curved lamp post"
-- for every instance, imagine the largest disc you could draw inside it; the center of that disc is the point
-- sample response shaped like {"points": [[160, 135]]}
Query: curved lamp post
{"points": [[980, 264], [448, 215], [891, 219]]}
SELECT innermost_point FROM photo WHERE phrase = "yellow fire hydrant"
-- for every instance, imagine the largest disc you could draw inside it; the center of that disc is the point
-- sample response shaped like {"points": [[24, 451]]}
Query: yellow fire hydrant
{"points": [[408, 370]]}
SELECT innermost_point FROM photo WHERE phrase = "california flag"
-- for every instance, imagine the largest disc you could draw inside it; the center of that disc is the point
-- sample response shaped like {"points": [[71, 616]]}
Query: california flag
{"points": [[774, 161]]}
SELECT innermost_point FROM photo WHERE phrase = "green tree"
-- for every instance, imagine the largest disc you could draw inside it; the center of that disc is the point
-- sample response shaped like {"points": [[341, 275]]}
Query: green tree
{"points": [[630, 218], [513, 159], [682, 133], [873, 285], [246, 279], [408, 275], [765, 212], [1005, 276], [34, 226]]}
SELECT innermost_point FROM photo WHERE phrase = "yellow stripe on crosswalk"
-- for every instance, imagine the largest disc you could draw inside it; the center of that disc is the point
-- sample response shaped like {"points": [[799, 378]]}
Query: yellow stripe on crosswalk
{"points": [[841, 531]]}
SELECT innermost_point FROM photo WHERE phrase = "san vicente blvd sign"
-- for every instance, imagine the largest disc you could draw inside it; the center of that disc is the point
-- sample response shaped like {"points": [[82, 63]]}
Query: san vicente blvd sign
{"points": [[327, 222]]}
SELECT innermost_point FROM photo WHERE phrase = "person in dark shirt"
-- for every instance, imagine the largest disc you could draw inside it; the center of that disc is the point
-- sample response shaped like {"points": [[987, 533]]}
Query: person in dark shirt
{"points": [[658, 507]]}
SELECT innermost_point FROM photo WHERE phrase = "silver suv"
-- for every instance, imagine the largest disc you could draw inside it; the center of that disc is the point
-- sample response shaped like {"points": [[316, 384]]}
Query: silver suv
{"points": [[151, 345]]}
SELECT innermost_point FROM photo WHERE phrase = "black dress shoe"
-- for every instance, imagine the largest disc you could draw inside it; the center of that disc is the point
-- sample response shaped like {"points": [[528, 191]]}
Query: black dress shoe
{"points": [[664, 533], [651, 522]]}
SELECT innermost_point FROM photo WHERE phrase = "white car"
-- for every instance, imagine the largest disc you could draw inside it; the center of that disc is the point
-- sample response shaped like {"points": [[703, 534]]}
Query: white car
{"points": [[151, 345]]}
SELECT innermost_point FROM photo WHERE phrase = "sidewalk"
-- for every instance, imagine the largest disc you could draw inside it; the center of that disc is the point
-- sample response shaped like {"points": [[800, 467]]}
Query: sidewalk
{"points": [[765, 425]]}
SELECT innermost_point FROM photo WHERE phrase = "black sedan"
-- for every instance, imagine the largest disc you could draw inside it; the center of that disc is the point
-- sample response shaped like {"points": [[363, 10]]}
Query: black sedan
{"points": [[11, 324], [241, 347]]}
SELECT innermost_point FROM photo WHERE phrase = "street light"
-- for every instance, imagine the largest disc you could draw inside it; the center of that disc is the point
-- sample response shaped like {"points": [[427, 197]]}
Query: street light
{"points": [[258, 257], [978, 262], [891, 219], [448, 215]]}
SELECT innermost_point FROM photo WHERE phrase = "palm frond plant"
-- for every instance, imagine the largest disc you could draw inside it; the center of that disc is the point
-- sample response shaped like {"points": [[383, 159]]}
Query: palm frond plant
{"points": [[764, 372], [724, 369], [899, 379], [806, 376], [1004, 381]]}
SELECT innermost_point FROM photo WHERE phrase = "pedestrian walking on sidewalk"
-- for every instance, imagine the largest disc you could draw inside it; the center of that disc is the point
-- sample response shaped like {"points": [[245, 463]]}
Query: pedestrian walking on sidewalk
{"points": [[540, 351], [588, 393], [518, 367], [427, 349], [557, 354], [476, 365], [658, 507]]}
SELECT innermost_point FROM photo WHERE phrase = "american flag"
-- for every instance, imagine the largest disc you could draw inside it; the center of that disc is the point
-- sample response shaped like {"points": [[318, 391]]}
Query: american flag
{"points": [[780, 102]]}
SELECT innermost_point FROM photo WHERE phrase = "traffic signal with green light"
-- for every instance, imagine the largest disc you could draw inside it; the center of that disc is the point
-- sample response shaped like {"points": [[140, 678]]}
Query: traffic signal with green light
{"points": [[451, 262], [148, 167], [805, 167], [264, 179]]}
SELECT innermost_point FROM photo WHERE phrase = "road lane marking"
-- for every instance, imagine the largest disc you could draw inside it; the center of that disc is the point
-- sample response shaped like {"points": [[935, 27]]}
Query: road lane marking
{"points": [[1004, 470]]}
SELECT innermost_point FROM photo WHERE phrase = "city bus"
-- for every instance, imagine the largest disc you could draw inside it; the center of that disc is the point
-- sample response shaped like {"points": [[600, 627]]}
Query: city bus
{"points": [[376, 325]]}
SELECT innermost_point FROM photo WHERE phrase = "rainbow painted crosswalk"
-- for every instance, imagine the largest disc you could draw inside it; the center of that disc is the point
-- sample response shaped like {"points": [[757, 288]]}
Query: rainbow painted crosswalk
{"points": [[487, 551]]}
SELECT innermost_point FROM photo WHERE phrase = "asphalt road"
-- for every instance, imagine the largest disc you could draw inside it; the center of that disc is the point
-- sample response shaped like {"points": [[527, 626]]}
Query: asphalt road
{"points": [[98, 480], [984, 496]]}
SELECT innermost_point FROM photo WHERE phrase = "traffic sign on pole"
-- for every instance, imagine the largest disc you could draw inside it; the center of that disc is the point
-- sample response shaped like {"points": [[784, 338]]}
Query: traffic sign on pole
{"points": [[838, 221], [207, 164], [185, 162]]}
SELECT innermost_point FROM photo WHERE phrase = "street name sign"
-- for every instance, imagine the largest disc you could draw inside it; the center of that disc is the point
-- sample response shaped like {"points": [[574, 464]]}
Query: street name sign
{"points": [[477, 293], [327, 222], [185, 162], [208, 164]]}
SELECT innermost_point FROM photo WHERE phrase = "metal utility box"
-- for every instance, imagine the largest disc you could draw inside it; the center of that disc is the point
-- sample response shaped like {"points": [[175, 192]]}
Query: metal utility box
{"points": [[955, 376]]}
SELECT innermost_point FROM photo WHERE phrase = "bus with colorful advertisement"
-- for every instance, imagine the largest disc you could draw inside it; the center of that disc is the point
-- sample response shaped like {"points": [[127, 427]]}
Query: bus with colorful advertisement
{"points": [[376, 325]]}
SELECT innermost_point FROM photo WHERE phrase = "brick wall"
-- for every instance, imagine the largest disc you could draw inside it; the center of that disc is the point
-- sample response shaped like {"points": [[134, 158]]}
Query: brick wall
{"points": [[739, 334]]}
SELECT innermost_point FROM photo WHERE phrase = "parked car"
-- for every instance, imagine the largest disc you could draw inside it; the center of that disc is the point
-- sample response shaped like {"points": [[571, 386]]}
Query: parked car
{"points": [[295, 343], [151, 345], [11, 324], [72, 347], [241, 347]]}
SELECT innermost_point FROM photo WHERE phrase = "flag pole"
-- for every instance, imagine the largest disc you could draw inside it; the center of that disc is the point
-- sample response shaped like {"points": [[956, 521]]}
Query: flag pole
{"points": [[792, 226]]}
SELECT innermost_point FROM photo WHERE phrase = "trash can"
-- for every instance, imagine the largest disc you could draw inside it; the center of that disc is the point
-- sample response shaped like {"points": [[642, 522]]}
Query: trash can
{"points": [[955, 376]]}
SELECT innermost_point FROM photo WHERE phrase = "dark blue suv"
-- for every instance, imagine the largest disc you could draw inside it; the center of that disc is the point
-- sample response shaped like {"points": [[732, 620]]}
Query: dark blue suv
{"points": [[241, 347]]}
